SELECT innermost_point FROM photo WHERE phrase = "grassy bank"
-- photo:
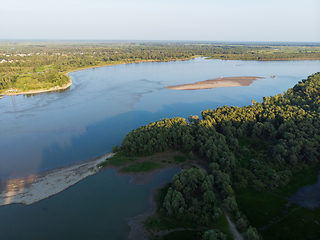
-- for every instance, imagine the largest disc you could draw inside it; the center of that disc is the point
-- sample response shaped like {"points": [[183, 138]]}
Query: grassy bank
{"points": [[272, 214]]}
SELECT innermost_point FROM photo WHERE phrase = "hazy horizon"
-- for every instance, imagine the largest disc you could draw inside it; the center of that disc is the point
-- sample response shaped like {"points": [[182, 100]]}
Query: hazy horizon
{"points": [[142, 20], [159, 41]]}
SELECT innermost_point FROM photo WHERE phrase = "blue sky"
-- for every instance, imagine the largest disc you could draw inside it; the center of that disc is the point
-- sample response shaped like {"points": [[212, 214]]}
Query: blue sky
{"points": [[206, 20]]}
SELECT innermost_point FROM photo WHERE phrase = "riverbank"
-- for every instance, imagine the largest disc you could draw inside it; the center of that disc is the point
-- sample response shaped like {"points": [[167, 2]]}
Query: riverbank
{"points": [[138, 229], [124, 62], [53, 89], [39, 186], [65, 86], [217, 83], [164, 160], [31, 189]]}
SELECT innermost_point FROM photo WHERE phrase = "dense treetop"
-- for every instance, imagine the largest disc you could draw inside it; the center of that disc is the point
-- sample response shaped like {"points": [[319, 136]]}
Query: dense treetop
{"points": [[258, 146]]}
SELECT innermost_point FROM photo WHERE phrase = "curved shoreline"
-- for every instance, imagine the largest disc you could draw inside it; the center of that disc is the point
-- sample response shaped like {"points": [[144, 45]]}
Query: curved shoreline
{"points": [[53, 89], [56, 88], [217, 83], [138, 230], [36, 187], [142, 61]]}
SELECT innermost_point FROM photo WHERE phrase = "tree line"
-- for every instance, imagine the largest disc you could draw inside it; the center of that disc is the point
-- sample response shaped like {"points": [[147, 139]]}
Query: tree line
{"points": [[260, 146], [31, 66]]}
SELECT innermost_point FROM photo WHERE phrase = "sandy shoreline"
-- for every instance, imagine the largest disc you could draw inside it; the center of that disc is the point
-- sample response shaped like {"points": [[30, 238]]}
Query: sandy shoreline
{"points": [[39, 186], [217, 83], [53, 89], [36, 187], [80, 69]]}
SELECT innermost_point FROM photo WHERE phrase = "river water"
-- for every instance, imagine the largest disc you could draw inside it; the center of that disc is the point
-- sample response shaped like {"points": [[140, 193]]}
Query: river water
{"points": [[48, 130], [44, 131]]}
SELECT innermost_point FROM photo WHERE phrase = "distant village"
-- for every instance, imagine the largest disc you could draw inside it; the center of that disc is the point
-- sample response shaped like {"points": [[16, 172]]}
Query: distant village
{"points": [[12, 60]]}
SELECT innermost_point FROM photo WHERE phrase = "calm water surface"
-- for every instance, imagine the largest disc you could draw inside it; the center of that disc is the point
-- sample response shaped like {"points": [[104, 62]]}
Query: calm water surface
{"points": [[48, 130], [95, 208]]}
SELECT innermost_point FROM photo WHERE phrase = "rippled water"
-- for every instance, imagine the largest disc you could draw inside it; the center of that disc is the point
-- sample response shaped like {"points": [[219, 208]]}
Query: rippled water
{"points": [[48, 130]]}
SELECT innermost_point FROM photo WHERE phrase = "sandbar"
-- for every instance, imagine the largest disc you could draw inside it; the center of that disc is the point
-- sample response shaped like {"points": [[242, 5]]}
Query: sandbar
{"points": [[39, 186], [217, 83]]}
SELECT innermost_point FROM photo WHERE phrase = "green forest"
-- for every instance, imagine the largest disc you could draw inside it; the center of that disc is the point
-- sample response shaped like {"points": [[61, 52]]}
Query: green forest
{"points": [[255, 155], [28, 66]]}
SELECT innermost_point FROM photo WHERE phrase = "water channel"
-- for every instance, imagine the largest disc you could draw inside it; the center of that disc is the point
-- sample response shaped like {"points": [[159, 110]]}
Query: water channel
{"points": [[49, 130]]}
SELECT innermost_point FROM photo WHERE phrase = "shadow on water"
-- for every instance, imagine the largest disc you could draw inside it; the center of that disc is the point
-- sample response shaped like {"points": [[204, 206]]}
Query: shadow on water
{"points": [[96, 208], [98, 138]]}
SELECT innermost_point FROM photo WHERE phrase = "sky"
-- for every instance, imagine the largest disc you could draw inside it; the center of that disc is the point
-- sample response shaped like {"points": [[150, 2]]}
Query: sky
{"points": [[188, 20]]}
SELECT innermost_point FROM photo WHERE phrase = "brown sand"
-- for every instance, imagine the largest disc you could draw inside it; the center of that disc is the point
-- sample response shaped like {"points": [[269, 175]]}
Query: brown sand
{"points": [[39, 186], [28, 190], [217, 83]]}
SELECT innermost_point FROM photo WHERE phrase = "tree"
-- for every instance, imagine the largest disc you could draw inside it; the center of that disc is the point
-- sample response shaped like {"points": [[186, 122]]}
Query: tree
{"points": [[214, 234], [251, 234]]}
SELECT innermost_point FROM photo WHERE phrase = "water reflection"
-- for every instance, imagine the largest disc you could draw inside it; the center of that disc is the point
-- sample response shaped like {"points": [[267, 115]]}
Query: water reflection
{"points": [[11, 188], [47, 130], [96, 208]]}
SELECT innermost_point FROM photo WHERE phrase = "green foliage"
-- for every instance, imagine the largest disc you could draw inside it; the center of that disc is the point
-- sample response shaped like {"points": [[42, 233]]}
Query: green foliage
{"points": [[119, 161], [191, 197], [162, 222], [103, 164], [29, 66], [260, 207], [183, 235], [214, 234], [115, 149], [155, 137], [142, 167], [301, 223], [299, 179], [191, 156], [251, 148], [179, 159], [251, 234]]}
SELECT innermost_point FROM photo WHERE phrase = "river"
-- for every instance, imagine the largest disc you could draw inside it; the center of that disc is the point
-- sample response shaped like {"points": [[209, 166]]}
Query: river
{"points": [[44, 131]]}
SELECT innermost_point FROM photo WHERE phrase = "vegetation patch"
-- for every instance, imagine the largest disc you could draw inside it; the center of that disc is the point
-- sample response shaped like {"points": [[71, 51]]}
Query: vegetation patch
{"points": [[116, 161], [260, 207], [162, 221], [180, 159], [142, 167], [301, 223], [299, 179], [183, 235], [120, 161]]}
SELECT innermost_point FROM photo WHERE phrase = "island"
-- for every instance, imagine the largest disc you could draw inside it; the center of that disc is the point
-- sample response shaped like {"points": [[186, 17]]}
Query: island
{"points": [[240, 166], [257, 157], [217, 83]]}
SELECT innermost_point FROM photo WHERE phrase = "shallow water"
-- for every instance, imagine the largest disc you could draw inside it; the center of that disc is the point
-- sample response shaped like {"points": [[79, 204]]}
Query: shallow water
{"points": [[95, 208], [44, 131]]}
